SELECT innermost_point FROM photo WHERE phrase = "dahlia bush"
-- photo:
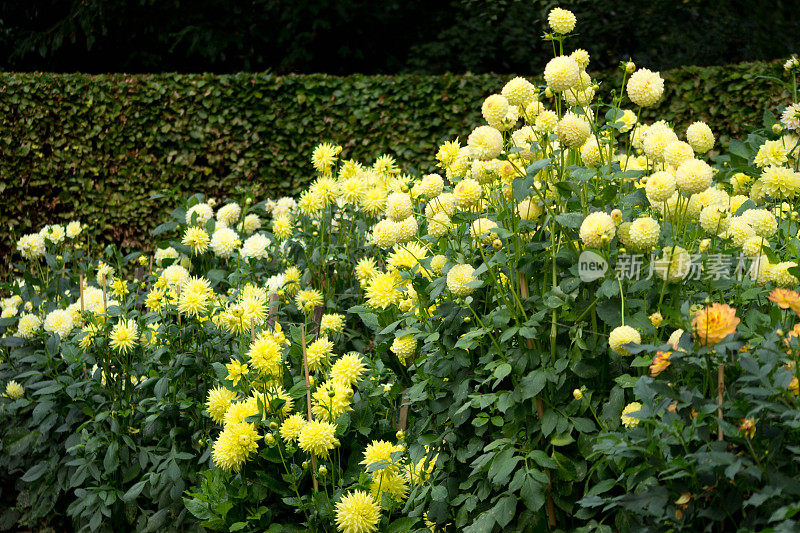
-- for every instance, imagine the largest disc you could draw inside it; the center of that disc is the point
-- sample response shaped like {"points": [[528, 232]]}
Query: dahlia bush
{"points": [[582, 321]]}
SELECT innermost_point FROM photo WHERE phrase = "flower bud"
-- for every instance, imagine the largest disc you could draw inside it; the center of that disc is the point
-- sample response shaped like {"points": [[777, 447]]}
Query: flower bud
{"points": [[400, 435], [577, 394], [323, 471], [548, 93], [656, 319], [630, 67], [777, 129], [497, 244], [269, 439], [616, 215]]}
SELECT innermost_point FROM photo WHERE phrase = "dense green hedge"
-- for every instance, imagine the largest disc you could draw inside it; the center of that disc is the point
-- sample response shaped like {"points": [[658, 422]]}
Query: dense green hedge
{"points": [[96, 148]]}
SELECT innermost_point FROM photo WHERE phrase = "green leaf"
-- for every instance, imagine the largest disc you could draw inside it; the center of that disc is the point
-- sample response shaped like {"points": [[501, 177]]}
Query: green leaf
{"points": [[133, 493], [35, 472], [502, 370]]}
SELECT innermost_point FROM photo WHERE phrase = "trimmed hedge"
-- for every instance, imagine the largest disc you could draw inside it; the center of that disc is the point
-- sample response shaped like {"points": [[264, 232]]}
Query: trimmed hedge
{"points": [[96, 148]]}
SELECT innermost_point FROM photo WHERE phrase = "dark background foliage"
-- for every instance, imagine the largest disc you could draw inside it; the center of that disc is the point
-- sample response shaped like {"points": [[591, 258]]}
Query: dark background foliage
{"points": [[95, 148], [390, 36]]}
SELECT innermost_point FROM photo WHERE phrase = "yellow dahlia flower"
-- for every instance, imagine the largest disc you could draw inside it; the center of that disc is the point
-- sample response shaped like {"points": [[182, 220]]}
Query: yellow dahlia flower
{"points": [[14, 390], [458, 277], [218, 401], [627, 420], [485, 142], [357, 512], [494, 109], [561, 20], [597, 230], [700, 137], [660, 187], [645, 88], [643, 234], [573, 130], [123, 336], [694, 176], [780, 182], [404, 347], [622, 335], [347, 370], [317, 437], [561, 73], [466, 193], [519, 92], [674, 264], [234, 446]]}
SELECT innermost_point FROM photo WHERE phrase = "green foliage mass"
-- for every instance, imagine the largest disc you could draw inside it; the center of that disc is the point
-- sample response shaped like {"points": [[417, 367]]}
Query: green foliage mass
{"points": [[96, 148]]}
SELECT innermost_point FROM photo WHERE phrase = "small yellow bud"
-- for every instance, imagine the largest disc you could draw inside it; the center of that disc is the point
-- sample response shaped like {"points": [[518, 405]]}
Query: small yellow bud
{"points": [[467, 319], [497, 244], [705, 244], [616, 215], [777, 129], [323, 471], [305, 465], [630, 67], [656, 319], [248, 201], [548, 93], [400, 435], [577, 394], [269, 439], [311, 381]]}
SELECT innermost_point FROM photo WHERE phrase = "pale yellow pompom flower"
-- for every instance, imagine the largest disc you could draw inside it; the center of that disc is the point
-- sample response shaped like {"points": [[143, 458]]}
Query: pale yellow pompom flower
{"points": [[694, 176], [466, 193], [627, 420], [622, 335], [700, 137], [519, 91], [581, 57], [674, 264], [677, 152], [660, 187], [573, 130], [561, 73], [546, 122], [404, 347], [485, 142], [399, 206], [645, 87], [643, 234], [597, 230], [779, 275], [494, 109], [386, 233], [458, 277], [432, 185], [561, 20]]}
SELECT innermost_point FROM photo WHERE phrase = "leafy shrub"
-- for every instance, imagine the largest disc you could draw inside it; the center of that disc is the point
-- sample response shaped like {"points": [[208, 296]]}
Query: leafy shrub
{"points": [[99, 147]]}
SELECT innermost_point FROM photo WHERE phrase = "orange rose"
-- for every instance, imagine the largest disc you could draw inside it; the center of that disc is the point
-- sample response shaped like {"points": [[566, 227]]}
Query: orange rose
{"points": [[714, 323]]}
